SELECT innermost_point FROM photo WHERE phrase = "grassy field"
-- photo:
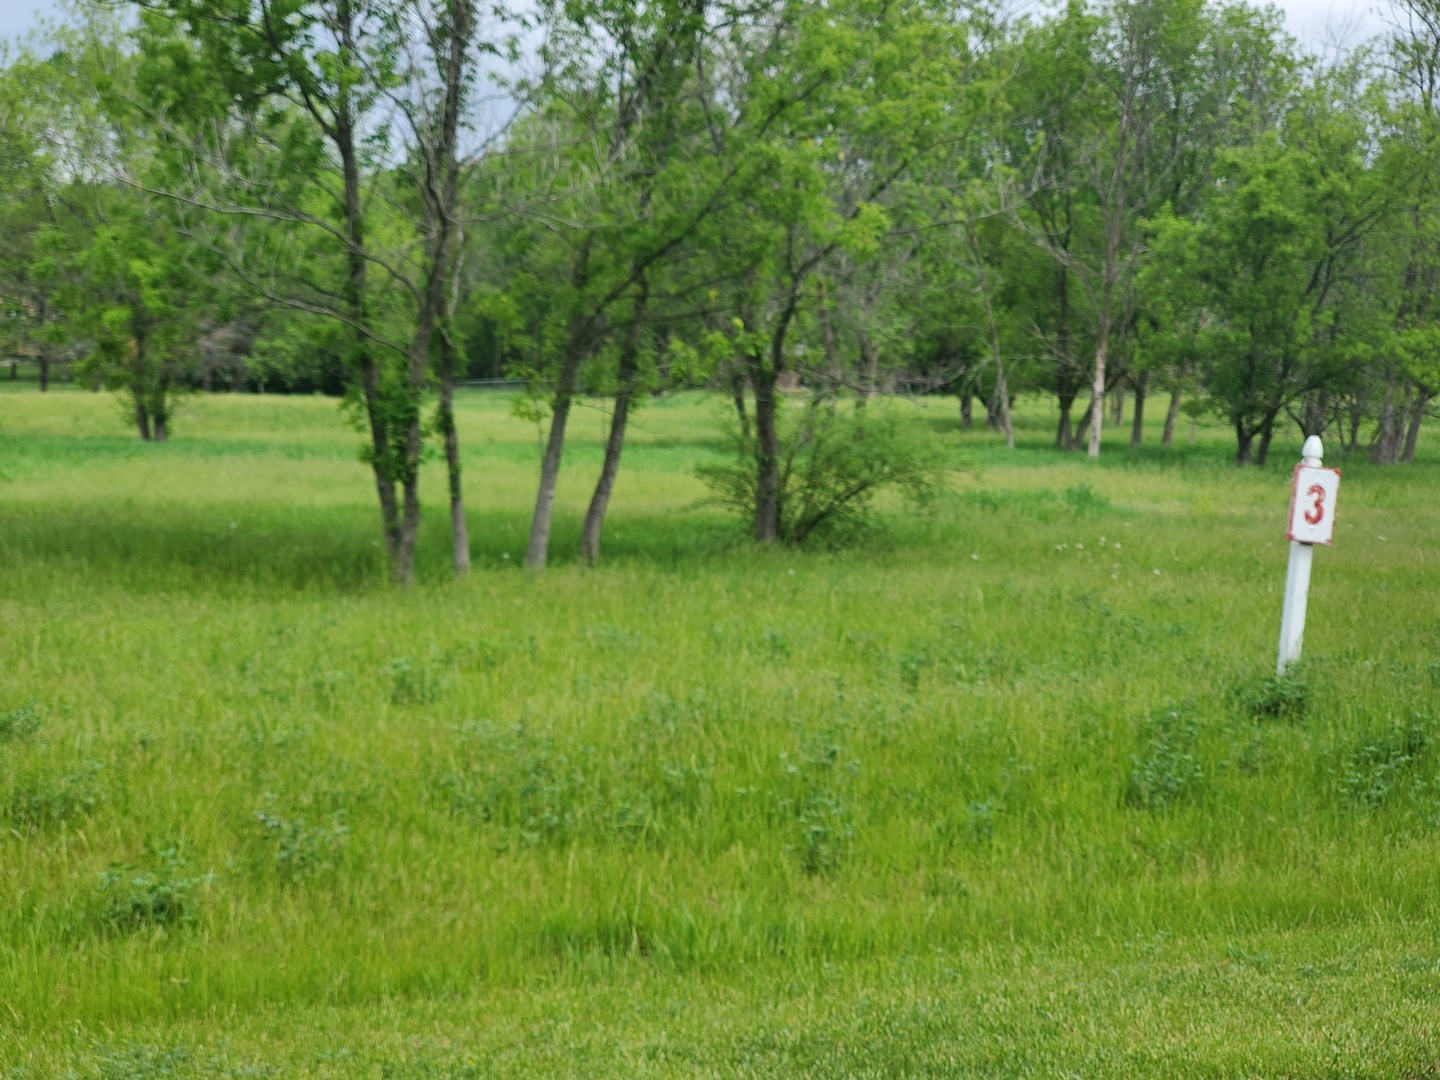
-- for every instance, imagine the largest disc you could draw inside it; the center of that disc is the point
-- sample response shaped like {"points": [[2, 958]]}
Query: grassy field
{"points": [[1001, 790]]}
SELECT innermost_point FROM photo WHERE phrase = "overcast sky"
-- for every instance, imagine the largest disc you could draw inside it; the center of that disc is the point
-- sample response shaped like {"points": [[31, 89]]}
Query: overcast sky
{"points": [[1317, 23]]}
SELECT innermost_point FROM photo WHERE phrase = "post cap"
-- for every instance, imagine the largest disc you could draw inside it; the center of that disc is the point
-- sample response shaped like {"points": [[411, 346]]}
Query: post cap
{"points": [[1313, 451]]}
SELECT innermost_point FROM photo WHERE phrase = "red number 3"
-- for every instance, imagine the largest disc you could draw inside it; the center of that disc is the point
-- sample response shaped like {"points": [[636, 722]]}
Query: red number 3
{"points": [[1317, 511]]}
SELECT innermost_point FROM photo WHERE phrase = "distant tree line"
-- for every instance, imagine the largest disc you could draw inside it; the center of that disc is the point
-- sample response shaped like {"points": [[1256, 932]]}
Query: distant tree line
{"points": [[1135, 199]]}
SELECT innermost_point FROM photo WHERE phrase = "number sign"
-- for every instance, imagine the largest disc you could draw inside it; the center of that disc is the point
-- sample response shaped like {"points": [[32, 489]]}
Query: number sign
{"points": [[1312, 504]]}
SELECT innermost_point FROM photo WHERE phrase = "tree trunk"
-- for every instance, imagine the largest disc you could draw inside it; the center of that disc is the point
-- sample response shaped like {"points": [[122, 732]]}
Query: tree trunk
{"points": [[1385, 449], [538, 549], [1064, 430], [1002, 390], [628, 370], [1243, 439], [767, 456], [459, 531], [1097, 389], [737, 391], [1171, 414], [1137, 429], [1417, 414], [1083, 428], [1267, 432], [142, 417], [967, 413], [1117, 405], [354, 290], [600, 500]]}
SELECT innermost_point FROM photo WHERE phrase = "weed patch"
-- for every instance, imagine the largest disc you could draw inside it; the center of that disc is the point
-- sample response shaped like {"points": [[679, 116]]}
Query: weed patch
{"points": [[1272, 697], [37, 799], [297, 850], [20, 723], [160, 894], [1165, 771], [1386, 766]]}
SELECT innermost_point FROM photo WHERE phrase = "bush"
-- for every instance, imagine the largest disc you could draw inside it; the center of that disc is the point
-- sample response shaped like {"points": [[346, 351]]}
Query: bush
{"points": [[1274, 697], [37, 800], [20, 723], [299, 850], [1384, 765], [159, 895], [1165, 771], [834, 460], [414, 683]]}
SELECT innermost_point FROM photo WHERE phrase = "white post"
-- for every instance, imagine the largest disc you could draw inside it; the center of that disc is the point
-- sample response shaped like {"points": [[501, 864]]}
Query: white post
{"points": [[1297, 579], [1297, 593]]}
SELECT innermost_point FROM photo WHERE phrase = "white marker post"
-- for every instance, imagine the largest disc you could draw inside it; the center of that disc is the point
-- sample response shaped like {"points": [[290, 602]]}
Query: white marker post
{"points": [[1313, 491]]}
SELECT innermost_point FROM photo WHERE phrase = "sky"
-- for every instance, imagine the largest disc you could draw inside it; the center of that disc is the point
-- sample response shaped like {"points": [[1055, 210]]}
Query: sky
{"points": [[1316, 23]]}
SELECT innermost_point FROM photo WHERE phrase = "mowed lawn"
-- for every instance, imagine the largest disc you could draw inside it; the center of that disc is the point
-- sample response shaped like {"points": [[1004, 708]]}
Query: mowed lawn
{"points": [[1002, 788]]}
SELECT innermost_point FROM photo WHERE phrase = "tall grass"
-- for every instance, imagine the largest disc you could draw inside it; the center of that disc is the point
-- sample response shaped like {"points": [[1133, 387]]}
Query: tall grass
{"points": [[1020, 749]]}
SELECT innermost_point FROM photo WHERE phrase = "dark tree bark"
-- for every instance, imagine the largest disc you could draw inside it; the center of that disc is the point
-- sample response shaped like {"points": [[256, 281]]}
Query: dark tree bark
{"points": [[737, 393], [1417, 414], [1267, 432], [967, 413], [1137, 428], [628, 370], [1385, 450], [142, 416], [1064, 430], [1117, 405], [538, 548], [354, 291], [577, 343], [459, 531], [44, 359], [767, 455], [1082, 429], [1167, 438], [1243, 438]]}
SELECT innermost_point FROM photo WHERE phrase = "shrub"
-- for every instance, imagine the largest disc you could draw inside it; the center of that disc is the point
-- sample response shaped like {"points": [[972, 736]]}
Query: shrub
{"points": [[519, 779], [1273, 697], [1083, 501], [1165, 770], [1382, 766], [20, 723], [37, 800], [298, 850], [413, 683], [814, 796], [834, 460], [159, 895]]}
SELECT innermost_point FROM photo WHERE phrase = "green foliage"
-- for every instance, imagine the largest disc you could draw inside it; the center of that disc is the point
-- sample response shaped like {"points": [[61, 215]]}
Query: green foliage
{"points": [[296, 850], [158, 895], [835, 460], [1389, 764], [38, 798], [1083, 502], [1273, 697], [414, 682], [1166, 771], [897, 775], [21, 722]]}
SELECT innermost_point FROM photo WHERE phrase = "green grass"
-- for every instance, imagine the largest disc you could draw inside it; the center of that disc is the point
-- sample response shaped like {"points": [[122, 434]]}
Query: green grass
{"points": [[983, 794]]}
